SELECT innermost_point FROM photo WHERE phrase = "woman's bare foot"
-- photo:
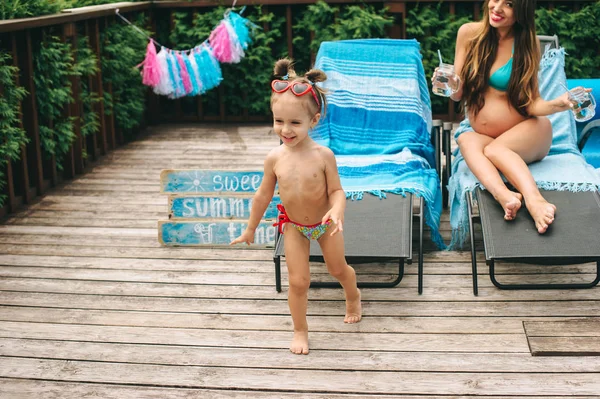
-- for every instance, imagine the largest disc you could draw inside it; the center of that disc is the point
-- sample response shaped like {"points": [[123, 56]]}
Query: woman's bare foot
{"points": [[542, 213], [511, 203], [299, 344], [353, 310]]}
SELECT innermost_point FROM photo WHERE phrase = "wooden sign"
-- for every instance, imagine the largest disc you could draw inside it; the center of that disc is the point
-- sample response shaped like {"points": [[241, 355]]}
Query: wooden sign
{"points": [[210, 181], [215, 232], [212, 207]]}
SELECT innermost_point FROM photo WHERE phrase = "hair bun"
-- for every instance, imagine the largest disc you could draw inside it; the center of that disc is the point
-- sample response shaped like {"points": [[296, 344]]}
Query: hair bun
{"points": [[316, 75], [283, 67]]}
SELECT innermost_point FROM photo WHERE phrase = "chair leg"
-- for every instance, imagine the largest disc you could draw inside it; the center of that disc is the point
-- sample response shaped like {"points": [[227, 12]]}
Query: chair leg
{"points": [[472, 236], [277, 260], [542, 286], [420, 265]]}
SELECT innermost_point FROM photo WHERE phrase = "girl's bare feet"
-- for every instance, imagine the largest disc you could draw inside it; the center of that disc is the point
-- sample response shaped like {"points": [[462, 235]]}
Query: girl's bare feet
{"points": [[353, 310], [511, 203], [542, 213], [299, 344]]}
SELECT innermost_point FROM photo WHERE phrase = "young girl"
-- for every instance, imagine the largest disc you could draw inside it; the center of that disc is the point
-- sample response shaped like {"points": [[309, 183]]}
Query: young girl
{"points": [[311, 194]]}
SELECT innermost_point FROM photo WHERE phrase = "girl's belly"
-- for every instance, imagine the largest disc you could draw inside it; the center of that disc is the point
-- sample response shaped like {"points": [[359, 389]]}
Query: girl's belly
{"points": [[496, 116]]}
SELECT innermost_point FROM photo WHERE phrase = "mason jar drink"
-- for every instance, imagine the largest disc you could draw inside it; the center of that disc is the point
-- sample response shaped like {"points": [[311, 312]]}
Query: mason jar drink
{"points": [[584, 104], [446, 82]]}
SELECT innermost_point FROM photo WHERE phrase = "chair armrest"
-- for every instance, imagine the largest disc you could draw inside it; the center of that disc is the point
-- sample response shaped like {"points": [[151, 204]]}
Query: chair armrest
{"points": [[436, 131], [447, 145], [447, 149], [587, 132]]}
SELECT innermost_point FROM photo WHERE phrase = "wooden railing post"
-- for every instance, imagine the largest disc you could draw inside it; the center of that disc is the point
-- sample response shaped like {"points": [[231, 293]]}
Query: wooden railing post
{"points": [[74, 160], [31, 155], [288, 30], [398, 29], [96, 85], [10, 187], [153, 108], [109, 120]]}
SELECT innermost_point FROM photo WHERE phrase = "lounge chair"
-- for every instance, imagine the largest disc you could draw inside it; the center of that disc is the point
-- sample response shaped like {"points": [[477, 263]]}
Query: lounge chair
{"points": [[378, 124], [566, 180]]}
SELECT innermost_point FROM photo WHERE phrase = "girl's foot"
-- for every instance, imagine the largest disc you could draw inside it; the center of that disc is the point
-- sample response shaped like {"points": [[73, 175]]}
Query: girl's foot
{"points": [[511, 203], [542, 213], [299, 344], [353, 310]]}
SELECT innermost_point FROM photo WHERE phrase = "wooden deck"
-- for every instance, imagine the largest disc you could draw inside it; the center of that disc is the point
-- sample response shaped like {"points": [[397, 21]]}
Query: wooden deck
{"points": [[92, 307]]}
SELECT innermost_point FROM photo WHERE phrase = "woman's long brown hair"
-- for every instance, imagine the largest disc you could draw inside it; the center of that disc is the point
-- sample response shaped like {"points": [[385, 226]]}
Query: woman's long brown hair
{"points": [[481, 54]]}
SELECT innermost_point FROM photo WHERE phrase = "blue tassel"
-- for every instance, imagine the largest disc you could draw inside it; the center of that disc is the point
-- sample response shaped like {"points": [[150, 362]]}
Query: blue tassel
{"points": [[195, 86], [241, 26], [175, 75], [208, 68]]}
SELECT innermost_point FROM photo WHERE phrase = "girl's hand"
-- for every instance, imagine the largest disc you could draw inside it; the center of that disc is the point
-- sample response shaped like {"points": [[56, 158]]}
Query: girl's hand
{"points": [[337, 217], [247, 237]]}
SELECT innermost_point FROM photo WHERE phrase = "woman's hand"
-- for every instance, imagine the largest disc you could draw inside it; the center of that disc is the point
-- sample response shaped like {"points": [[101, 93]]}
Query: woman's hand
{"points": [[562, 103], [337, 216], [566, 101]]}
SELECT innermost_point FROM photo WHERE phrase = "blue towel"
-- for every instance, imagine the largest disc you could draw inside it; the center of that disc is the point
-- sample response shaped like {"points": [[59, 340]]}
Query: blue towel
{"points": [[378, 121], [564, 168]]}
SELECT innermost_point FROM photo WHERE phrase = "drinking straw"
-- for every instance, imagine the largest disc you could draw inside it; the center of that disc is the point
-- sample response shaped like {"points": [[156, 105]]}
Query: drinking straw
{"points": [[440, 56]]}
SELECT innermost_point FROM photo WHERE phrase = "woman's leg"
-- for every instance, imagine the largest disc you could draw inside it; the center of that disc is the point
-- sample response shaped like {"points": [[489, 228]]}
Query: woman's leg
{"points": [[527, 142], [472, 145], [333, 253], [296, 257]]}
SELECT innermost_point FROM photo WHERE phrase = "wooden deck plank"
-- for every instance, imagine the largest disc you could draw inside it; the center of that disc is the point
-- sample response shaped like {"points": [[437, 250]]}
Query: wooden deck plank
{"points": [[565, 308], [565, 328], [315, 381], [564, 338], [363, 360], [352, 339], [23, 389], [413, 324], [253, 279], [404, 292], [564, 346]]}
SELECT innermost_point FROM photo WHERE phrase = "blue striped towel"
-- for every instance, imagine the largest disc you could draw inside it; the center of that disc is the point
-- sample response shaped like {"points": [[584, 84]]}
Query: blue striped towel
{"points": [[378, 121]]}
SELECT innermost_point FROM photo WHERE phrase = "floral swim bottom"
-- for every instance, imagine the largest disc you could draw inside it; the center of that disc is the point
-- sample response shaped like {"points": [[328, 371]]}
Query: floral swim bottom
{"points": [[312, 232]]}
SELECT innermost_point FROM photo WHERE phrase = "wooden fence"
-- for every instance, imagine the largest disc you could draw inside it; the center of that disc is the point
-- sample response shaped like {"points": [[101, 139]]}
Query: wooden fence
{"points": [[32, 175]]}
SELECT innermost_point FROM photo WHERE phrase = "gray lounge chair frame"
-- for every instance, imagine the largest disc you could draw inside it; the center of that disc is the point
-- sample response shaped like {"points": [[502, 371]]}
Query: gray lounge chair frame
{"points": [[518, 241], [500, 238]]}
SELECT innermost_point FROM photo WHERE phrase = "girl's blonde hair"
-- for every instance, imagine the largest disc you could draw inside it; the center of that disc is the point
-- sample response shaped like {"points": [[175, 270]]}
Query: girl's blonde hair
{"points": [[481, 53], [284, 68]]}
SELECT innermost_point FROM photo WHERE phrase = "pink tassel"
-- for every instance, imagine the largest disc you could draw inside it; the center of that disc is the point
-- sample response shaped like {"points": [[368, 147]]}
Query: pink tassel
{"points": [[151, 71], [221, 43], [185, 77]]}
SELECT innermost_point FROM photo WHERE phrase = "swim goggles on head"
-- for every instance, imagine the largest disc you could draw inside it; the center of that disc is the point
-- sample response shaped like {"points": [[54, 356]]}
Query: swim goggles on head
{"points": [[298, 88]]}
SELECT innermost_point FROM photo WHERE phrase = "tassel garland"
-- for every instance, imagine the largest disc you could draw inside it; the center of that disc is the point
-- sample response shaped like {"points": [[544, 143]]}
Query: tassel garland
{"points": [[175, 73]]}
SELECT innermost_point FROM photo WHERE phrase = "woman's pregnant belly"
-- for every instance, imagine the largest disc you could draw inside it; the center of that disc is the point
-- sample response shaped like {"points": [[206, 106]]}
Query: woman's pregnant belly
{"points": [[497, 115]]}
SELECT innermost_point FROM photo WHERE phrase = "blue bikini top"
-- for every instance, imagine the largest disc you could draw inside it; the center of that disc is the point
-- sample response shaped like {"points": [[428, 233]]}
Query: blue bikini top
{"points": [[499, 79]]}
